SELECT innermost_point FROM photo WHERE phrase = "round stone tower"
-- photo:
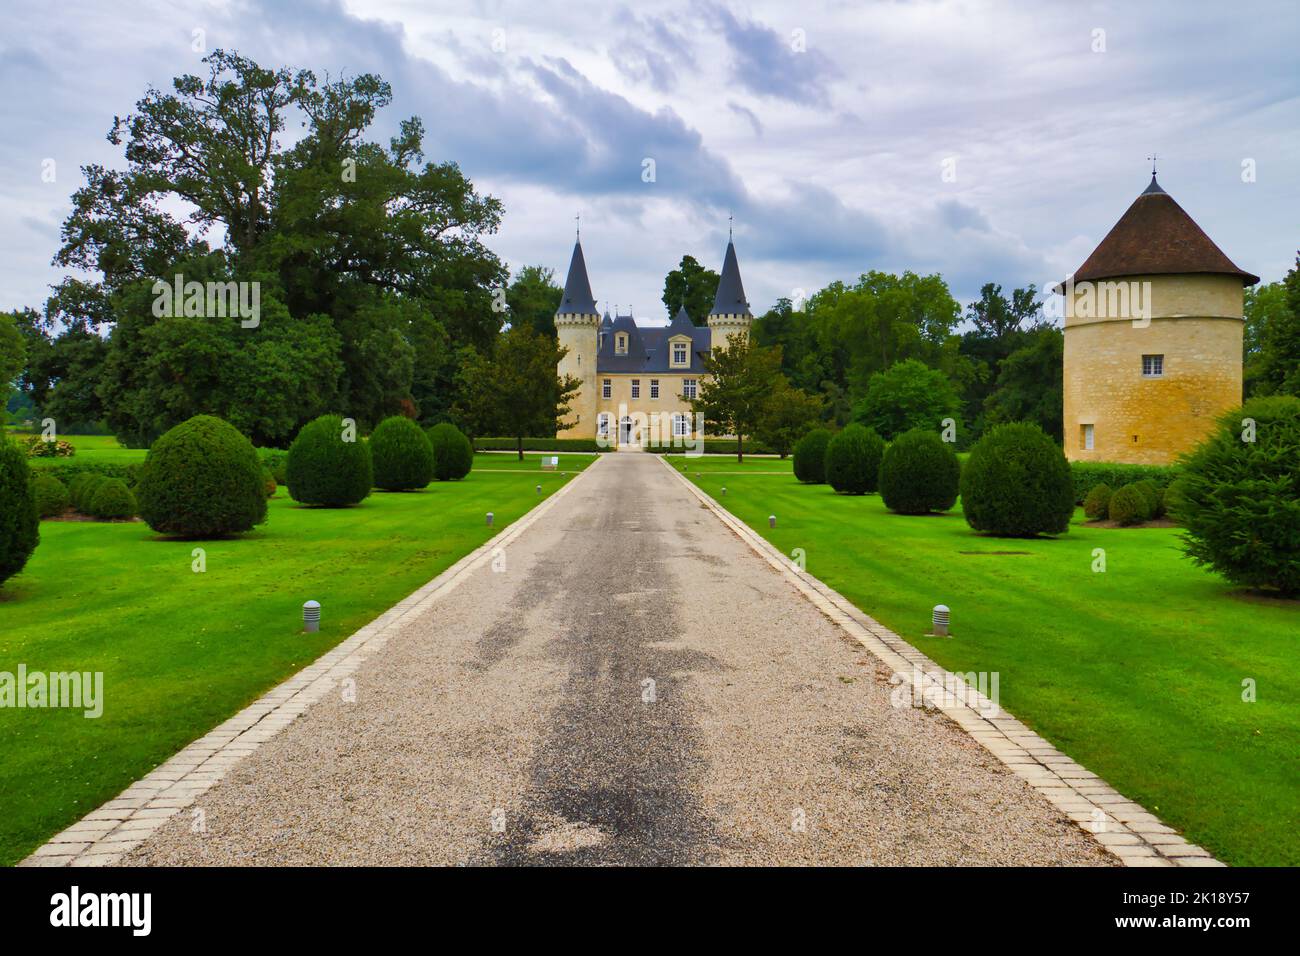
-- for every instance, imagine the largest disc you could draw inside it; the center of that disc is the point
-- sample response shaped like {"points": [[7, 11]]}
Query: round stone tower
{"points": [[1153, 337], [730, 315], [576, 324]]}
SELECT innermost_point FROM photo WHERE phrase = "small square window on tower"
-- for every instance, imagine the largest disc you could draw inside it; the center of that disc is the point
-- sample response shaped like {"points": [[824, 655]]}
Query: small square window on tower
{"points": [[1153, 366]]}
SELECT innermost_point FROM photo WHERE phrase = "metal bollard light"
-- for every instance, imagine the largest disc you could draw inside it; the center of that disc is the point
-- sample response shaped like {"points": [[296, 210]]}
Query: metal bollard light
{"points": [[489, 519], [940, 620], [539, 489], [311, 616], [771, 521], [724, 491]]}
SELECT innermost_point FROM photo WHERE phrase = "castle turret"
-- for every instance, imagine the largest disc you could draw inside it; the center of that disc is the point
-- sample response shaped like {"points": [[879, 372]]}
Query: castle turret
{"points": [[730, 315], [576, 324], [1153, 337]]}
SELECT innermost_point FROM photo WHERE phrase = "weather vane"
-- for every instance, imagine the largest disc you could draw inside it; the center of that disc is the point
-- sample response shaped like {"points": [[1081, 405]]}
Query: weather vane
{"points": [[730, 219], [577, 227], [1152, 157]]}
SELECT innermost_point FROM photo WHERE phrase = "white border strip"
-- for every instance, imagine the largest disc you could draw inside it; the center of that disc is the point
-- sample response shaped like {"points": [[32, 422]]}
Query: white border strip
{"points": [[1126, 829], [103, 836]]}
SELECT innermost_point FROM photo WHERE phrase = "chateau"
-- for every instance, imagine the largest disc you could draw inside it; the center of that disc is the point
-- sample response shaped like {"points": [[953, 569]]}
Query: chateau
{"points": [[638, 380], [1153, 337]]}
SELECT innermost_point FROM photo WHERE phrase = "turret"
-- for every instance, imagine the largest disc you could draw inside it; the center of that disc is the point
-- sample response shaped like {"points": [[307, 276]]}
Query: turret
{"points": [[730, 315], [576, 325]]}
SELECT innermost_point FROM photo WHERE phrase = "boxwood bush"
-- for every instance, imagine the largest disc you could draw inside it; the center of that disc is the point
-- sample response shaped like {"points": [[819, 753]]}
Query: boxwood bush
{"points": [[1130, 505], [84, 488], [1088, 474], [810, 457], [1097, 504], [113, 500], [1239, 500], [51, 495], [325, 470], [453, 456], [201, 479], [853, 460], [402, 455], [1017, 483], [20, 524], [919, 473]]}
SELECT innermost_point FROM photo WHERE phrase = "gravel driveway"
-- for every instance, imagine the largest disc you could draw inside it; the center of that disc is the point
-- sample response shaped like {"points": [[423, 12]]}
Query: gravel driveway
{"points": [[634, 687]]}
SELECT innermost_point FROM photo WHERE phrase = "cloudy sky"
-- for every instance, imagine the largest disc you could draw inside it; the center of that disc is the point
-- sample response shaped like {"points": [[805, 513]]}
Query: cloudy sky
{"points": [[825, 128]]}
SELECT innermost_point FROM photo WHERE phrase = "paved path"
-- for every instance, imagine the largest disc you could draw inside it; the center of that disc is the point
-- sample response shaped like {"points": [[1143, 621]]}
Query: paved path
{"points": [[514, 721]]}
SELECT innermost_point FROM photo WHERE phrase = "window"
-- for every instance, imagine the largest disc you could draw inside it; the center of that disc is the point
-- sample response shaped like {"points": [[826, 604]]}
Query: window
{"points": [[636, 388], [681, 425], [620, 343], [602, 425], [606, 389], [688, 388], [1153, 366], [1085, 436], [654, 388], [680, 355]]}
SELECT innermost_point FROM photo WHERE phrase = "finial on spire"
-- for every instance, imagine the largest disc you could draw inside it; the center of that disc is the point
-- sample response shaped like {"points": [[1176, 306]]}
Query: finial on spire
{"points": [[730, 220], [577, 227], [1152, 157]]}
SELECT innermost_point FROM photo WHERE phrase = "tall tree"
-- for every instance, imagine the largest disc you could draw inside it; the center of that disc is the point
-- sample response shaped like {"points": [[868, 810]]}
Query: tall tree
{"points": [[733, 396], [515, 391], [533, 297], [1029, 385], [788, 413], [13, 351], [907, 395], [693, 286], [1273, 330]]}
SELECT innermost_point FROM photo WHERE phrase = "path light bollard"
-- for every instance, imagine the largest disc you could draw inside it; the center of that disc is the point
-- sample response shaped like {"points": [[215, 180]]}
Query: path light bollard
{"points": [[489, 519], [311, 616], [724, 491], [771, 521], [539, 489], [940, 620]]}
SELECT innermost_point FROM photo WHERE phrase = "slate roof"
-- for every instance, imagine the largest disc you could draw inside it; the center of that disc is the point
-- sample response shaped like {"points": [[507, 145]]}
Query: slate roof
{"points": [[647, 347], [577, 287], [730, 299], [1157, 237]]}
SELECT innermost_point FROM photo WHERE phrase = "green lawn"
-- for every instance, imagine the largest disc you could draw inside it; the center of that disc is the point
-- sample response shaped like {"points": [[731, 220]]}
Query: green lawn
{"points": [[1136, 672], [181, 651]]}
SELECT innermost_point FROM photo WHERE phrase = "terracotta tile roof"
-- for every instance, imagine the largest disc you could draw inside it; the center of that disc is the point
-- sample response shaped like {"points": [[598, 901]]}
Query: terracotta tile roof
{"points": [[1157, 237]]}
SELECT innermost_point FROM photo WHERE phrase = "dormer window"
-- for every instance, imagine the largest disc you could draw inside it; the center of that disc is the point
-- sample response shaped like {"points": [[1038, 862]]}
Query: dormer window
{"points": [[681, 353], [620, 343]]}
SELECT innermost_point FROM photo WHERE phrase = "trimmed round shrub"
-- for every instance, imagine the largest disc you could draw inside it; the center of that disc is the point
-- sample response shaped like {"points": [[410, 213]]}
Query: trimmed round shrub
{"points": [[453, 455], [113, 500], [84, 490], [202, 479], [810, 457], [1017, 483], [325, 470], [853, 460], [402, 455], [1239, 500], [51, 495], [919, 473], [1130, 505], [20, 523], [1097, 504], [1153, 496]]}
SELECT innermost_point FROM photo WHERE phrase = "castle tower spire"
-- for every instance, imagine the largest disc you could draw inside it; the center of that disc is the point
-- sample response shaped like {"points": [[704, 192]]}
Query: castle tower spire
{"points": [[577, 327], [577, 299], [730, 315]]}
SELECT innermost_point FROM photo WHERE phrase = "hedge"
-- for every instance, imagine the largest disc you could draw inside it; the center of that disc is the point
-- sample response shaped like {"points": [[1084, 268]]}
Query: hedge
{"points": [[67, 470], [1088, 474], [712, 446], [538, 444]]}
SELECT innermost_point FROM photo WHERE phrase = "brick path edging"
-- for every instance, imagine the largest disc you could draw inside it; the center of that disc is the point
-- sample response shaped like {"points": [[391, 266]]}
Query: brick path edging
{"points": [[1124, 828], [104, 835]]}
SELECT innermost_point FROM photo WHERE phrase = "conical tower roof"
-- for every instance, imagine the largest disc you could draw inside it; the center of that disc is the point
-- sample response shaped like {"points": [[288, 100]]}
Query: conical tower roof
{"points": [[730, 299], [577, 298], [1157, 237]]}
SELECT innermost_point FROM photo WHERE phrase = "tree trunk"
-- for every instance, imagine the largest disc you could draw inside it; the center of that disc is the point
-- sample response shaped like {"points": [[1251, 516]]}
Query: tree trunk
{"points": [[740, 449], [519, 446]]}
